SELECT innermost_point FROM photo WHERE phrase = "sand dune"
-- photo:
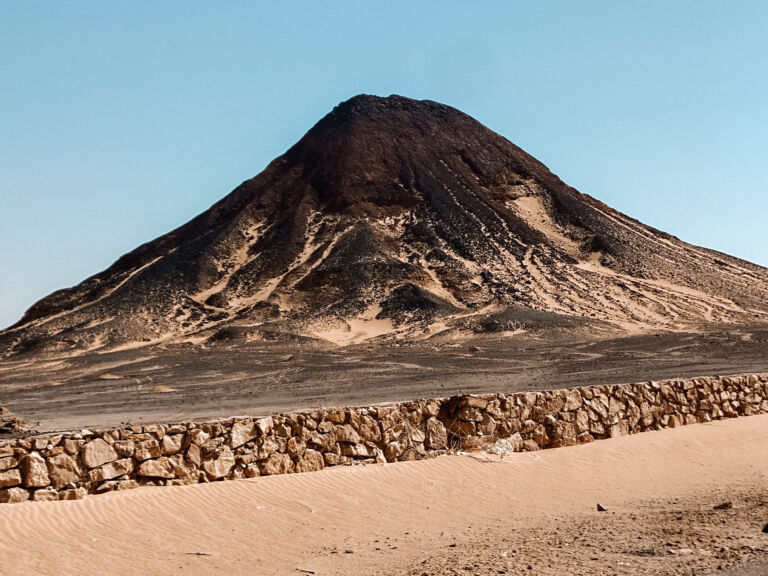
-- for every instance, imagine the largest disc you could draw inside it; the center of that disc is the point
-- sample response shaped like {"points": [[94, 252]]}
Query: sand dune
{"points": [[450, 515]]}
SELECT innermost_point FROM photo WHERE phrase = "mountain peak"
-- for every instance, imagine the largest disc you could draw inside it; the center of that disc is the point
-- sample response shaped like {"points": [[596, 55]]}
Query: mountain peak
{"points": [[392, 113], [371, 104]]}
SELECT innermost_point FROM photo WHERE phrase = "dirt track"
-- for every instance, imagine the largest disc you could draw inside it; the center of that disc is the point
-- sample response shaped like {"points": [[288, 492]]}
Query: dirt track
{"points": [[177, 384]]}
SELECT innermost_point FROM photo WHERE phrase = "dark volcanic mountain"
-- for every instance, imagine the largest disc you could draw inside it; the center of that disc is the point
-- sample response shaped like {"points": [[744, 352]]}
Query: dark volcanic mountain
{"points": [[399, 217]]}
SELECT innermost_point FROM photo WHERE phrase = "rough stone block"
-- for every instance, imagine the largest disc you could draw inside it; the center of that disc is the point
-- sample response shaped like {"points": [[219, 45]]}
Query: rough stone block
{"points": [[13, 495], [45, 495], [98, 452], [160, 468], [112, 470], [147, 449], [35, 471], [10, 478]]}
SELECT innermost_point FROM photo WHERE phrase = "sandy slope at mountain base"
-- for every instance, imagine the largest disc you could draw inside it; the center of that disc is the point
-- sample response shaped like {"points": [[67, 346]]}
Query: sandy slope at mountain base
{"points": [[449, 515]]}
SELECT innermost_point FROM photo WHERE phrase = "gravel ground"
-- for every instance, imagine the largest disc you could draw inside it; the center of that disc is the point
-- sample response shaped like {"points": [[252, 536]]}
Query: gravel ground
{"points": [[159, 384]]}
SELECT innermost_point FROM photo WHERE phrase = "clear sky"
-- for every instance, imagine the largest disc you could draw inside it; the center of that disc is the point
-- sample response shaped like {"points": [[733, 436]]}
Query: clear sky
{"points": [[122, 120]]}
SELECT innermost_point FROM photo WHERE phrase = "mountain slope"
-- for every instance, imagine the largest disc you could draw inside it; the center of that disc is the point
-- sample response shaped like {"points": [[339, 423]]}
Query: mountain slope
{"points": [[400, 217]]}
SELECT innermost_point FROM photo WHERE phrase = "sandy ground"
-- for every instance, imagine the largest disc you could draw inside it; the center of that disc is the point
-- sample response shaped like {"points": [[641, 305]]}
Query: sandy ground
{"points": [[166, 384], [532, 513]]}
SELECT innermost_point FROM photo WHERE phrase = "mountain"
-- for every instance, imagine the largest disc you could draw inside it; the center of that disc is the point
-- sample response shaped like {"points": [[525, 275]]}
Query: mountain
{"points": [[404, 219]]}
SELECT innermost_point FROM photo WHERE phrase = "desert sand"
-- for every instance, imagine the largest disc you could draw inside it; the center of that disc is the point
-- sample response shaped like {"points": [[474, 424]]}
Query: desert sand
{"points": [[523, 513]]}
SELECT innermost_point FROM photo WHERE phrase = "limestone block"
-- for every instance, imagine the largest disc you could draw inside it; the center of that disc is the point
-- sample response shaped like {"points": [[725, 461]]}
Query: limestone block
{"points": [[527, 427], [266, 448], [346, 434], [147, 449], [242, 432], [10, 478], [436, 437], [277, 463], [73, 494], [573, 400], [675, 421], [554, 402], [487, 425], [530, 446], [413, 453], [431, 408], [515, 442], [355, 450], [296, 448], [160, 468], [156, 430], [563, 434], [311, 461], [39, 443], [198, 436], [223, 462], [72, 446], [540, 436], [393, 450], [127, 485], [124, 448], [417, 435], [596, 428], [35, 471], [63, 470], [619, 429], [581, 423], [337, 416], [369, 430], [13, 495], [193, 454], [111, 470], [333, 459], [392, 434], [98, 452], [8, 463], [45, 495], [171, 443], [325, 427], [507, 428], [584, 438], [475, 402]]}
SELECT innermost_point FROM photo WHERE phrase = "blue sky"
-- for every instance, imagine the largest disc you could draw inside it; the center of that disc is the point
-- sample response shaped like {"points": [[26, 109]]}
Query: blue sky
{"points": [[120, 121]]}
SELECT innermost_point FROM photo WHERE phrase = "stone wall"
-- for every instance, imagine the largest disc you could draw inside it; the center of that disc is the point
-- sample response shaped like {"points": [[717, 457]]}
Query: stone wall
{"points": [[70, 465]]}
